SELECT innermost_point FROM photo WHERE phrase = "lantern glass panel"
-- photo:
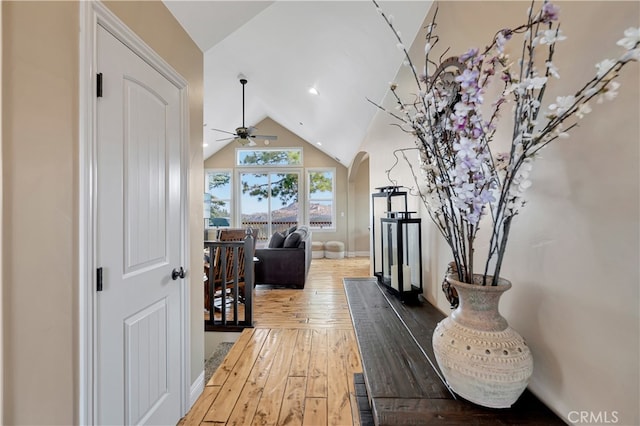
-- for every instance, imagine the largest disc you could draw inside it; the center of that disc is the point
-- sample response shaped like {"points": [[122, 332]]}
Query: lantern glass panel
{"points": [[411, 233], [390, 250]]}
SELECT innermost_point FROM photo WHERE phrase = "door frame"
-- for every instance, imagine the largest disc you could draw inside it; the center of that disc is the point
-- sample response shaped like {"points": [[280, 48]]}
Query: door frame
{"points": [[91, 14]]}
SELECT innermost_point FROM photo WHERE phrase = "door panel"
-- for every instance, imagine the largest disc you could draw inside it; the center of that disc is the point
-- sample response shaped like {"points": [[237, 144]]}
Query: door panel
{"points": [[138, 313], [146, 361], [145, 176]]}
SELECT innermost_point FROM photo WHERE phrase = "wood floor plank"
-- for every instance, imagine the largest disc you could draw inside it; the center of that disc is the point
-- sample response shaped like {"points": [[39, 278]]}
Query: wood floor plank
{"points": [[338, 399], [271, 399], [220, 375], [317, 380], [315, 412], [301, 354], [292, 408], [201, 406], [222, 406], [247, 404]]}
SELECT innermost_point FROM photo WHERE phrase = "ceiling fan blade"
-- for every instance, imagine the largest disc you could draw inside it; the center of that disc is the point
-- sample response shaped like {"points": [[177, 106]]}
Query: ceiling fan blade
{"points": [[265, 137], [224, 131], [225, 139], [251, 143]]}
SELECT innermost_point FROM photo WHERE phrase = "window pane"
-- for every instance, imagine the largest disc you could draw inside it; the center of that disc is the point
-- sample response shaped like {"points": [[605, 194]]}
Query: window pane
{"points": [[254, 201], [321, 199], [321, 214], [219, 184], [217, 199], [321, 185], [220, 213], [270, 157], [284, 201]]}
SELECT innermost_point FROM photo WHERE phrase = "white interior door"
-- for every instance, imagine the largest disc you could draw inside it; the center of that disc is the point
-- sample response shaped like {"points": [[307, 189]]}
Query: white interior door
{"points": [[138, 312]]}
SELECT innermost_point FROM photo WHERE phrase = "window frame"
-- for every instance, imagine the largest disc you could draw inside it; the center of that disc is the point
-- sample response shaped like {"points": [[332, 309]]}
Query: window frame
{"points": [[309, 198]]}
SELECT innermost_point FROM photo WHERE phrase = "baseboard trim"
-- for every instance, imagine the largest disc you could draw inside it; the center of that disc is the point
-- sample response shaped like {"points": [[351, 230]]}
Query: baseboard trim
{"points": [[358, 254], [197, 387]]}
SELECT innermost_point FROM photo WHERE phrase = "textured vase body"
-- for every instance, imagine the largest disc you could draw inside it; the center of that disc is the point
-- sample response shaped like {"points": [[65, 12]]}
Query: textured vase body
{"points": [[482, 359]]}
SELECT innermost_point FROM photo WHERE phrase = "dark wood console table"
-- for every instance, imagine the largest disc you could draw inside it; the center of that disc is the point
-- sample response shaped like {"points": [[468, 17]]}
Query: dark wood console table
{"points": [[403, 383]]}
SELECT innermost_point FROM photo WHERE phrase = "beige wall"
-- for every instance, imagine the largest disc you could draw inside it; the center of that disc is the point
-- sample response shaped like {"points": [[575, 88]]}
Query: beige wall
{"points": [[40, 146], [1, 241], [40, 190], [573, 251], [362, 209], [312, 157]]}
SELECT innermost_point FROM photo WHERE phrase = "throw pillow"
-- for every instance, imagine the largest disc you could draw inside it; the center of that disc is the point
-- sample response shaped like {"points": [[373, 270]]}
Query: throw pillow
{"points": [[290, 230], [292, 240], [277, 240]]}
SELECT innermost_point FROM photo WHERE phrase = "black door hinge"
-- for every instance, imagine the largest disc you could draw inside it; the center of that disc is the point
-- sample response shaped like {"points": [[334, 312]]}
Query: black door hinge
{"points": [[99, 85], [99, 279]]}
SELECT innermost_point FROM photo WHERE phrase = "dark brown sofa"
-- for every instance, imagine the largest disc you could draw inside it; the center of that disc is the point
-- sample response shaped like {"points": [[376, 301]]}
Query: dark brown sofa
{"points": [[287, 265]]}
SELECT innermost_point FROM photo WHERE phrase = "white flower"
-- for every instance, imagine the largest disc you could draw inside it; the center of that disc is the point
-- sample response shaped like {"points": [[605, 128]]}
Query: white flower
{"points": [[590, 92], [534, 83], [604, 67], [632, 37], [583, 110], [551, 36], [631, 55], [609, 92], [562, 105], [524, 185], [427, 48], [400, 46], [553, 70]]}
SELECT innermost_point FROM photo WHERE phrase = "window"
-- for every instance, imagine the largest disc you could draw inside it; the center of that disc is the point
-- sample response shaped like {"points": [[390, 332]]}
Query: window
{"points": [[269, 199], [217, 187], [321, 198], [269, 157]]}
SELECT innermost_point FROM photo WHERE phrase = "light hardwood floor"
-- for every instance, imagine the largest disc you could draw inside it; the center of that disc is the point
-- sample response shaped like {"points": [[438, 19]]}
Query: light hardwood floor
{"points": [[296, 366]]}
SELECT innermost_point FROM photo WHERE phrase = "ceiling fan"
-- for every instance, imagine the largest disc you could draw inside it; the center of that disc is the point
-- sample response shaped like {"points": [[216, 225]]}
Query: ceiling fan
{"points": [[244, 135]]}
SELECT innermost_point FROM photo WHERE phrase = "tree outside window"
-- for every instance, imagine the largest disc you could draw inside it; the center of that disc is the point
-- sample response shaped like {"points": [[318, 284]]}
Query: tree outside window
{"points": [[218, 187], [321, 196]]}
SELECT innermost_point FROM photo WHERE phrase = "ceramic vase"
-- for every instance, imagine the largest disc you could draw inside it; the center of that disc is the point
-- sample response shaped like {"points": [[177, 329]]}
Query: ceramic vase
{"points": [[482, 359]]}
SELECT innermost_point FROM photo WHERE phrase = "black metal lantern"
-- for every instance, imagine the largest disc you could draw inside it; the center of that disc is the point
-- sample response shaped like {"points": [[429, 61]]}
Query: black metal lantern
{"points": [[402, 255], [387, 199]]}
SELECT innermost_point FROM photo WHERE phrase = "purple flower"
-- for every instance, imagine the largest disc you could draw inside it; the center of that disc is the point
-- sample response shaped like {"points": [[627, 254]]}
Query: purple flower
{"points": [[486, 196], [469, 54], [550, 12], [468, 79]]}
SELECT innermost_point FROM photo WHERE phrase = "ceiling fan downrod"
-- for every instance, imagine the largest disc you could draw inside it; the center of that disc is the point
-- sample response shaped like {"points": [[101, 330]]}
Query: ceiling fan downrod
{"points": [[243, 81]]}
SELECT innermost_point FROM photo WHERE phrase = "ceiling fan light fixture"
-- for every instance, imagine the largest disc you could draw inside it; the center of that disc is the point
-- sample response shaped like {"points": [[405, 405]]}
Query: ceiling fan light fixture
{"points": [[244, 135], [245, 141]]}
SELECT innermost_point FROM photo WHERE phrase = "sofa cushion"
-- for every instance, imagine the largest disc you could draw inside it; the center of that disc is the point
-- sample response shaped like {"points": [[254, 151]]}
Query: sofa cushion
{"points": [[292, 240], [290, 230], [277, 240]]}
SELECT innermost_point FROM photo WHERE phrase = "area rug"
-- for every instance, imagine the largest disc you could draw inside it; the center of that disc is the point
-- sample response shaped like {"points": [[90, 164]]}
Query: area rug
{"points": [[212, 364]]}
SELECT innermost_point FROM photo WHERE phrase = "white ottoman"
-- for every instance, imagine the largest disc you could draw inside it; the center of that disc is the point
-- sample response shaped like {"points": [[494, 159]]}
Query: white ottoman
{"points": [[317, 250], [334, 250]]}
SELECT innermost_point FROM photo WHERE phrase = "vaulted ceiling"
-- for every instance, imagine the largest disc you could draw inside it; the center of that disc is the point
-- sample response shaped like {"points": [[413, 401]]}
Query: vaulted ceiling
{"points": [[343, 49]]}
